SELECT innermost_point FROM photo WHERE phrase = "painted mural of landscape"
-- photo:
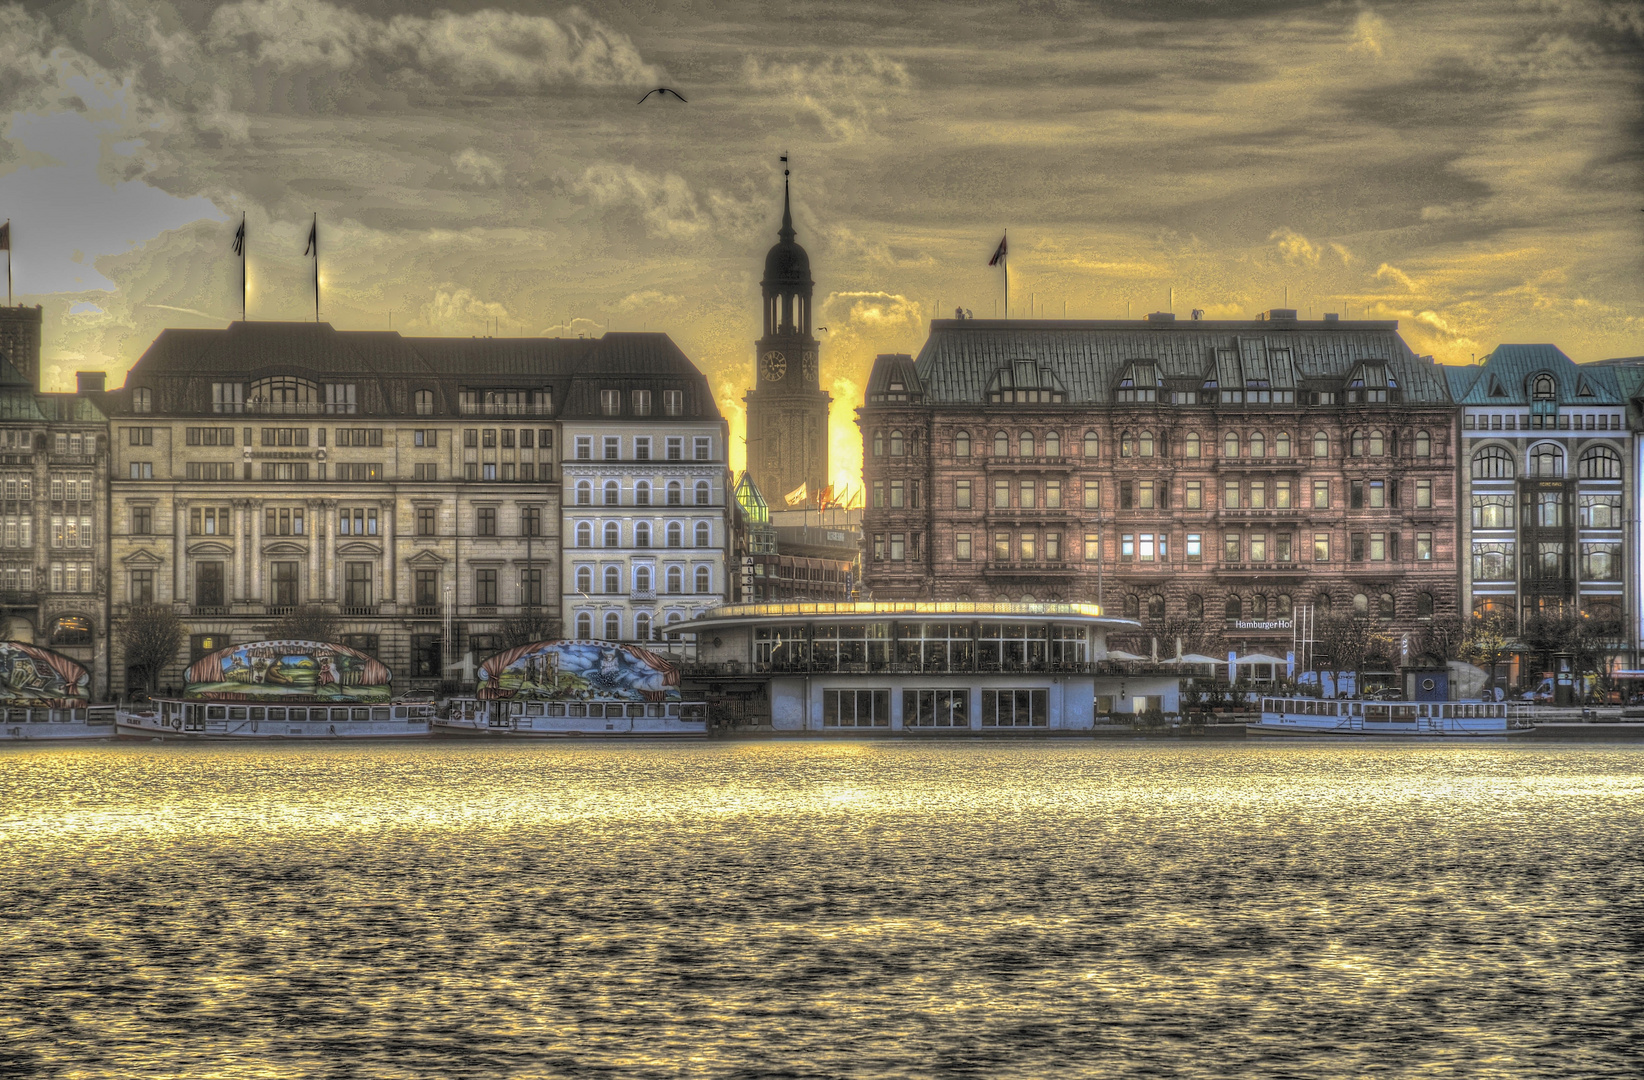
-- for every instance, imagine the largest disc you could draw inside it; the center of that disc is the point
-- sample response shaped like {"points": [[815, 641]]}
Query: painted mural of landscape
{"points": [[289, 670], [34, 676], [579, 671]]}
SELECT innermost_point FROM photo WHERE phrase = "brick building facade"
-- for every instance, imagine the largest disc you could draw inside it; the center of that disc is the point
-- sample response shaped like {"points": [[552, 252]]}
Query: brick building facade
{"points": [[1223, 474]]}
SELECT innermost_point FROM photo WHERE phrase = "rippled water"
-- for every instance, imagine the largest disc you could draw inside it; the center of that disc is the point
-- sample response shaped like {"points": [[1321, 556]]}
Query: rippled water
{"points": [[1151, 909]]}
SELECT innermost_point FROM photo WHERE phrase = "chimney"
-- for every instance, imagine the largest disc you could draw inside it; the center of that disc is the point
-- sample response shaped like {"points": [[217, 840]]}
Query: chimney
{"points": [[1278, 314], [20, 333], [1161, 316], [89, 382], [1331, 316]]}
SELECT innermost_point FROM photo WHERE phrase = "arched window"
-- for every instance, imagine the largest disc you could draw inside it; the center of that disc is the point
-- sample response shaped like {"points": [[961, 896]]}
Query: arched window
{"points": [[1281, 444], [1543, 388], [642, 626], [642, 579], [1195, 606], [1356, 444], [704, 493], [1230, 445], [1547, 459], [1322, 604], [71, 630], [585, 534], [1378, 445], [585, 579], [613, 534], [674, 617], [676, 534], [704, 580], [1093, 444], [1132, 606], [961, 444], [585, 626], [1385, 607], [613, 579], [1361, 604], [613, 626], [613, 493], [1191, 445], [1258, 444], [1233, 609], [1282, 606], [585, 493], [642, 493], [703, 534], [676, 580], [424, 402], [1599, 463], [1024, 444], [1258, 606], [1424, 605], [1393, 442], [1493, 463], [896, 446], [1146, 446], [1127, 444], [1053, 444], [1424, 444], [1155, 606], [1321, 444], [878, 442], [1001, 444], [642, 534], [282, 393], [676, 493]]}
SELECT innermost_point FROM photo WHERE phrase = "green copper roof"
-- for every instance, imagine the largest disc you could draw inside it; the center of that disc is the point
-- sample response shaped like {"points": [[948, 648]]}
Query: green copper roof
{"points": [[1504, 378]]}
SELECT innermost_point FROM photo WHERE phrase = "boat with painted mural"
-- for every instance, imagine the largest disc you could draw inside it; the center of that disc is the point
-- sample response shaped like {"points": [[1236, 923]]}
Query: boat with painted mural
{"points": [[1325, 716], [567, 689], [47, 696], [281, 690]]}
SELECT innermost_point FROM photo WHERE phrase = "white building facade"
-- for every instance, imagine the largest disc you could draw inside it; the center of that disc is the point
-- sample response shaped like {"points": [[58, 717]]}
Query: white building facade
{"points": [[646, 486]]}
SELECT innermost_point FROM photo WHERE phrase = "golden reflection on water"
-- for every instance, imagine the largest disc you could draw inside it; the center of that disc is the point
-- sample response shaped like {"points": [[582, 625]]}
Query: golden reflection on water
{"points": [[819, 909]]}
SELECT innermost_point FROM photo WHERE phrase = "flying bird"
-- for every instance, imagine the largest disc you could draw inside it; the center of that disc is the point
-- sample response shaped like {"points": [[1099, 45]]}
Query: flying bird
{"points": [[664, 91]]}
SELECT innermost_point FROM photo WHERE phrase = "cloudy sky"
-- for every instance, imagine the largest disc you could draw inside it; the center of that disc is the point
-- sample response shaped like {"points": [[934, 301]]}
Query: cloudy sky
{"points": [[1472, 169]]}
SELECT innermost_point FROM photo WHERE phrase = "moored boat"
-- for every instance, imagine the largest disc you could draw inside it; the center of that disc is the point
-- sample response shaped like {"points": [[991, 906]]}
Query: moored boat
{"points": [[568, 689], [46, 696], [281, 690], [1315, 716]]}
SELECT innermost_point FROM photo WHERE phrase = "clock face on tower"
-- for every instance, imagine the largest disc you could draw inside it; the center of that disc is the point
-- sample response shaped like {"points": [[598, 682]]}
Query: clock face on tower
{"points": [[810, 364], [773, 365]]}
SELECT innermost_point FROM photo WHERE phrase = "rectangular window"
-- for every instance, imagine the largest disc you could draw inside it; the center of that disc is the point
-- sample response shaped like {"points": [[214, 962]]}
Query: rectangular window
{"points": [[676, 448], [1001, 547], [878, 547], [1053, 494], [1001, 494], [1493, 560], [1281, 495], [358, 471], [961, 494], [702, 447], [1230, 547], [283, 584], [1424, 493], [1600, 511], [1378, 494], [1258, 495], [673, 402], [426, 658], [1093, 547], [936, 708], [1355, 547], [142, 470], [1127, 494], [530, 586], [353, 437], [1014, 708], [878, 494], [142, 520], [1424, 547], [1195, 547], [1258, 547], [856, 708], [1127, 547], [1282, 543], [613, 447], [1230, 495], [1053, 547], [1029, 547], [226, 397], [1144, 495], [142, 586], [357, 584], [961, 546], [1195, 495], [141, 436], [585, 447], [212, 436], [1093, 494], [425, 521], [1321, 547], [426, 437], [339, 398], [485, 521], [1378, 547], [485, 588], [898, 547], [1492, 511], [898, 497], [1145, 551], [610, 402], [1321, 494], [425, 588], [1027, 495], [1355, 494], [642, 402], [1601, 562]]}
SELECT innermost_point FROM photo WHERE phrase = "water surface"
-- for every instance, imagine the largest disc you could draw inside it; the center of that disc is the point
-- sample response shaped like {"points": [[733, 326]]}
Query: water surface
{"points": [[821, 909]]}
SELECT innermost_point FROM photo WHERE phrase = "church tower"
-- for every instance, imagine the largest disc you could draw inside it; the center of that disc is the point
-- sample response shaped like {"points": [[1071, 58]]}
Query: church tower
{"points": [[787, 408]]}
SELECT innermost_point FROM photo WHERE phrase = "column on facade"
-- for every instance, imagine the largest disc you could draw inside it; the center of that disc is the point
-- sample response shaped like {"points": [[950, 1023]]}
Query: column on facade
{"points": [[179, 553], [255, 509], [328, 523], [315, 582], [239, 563], [390, 550]]}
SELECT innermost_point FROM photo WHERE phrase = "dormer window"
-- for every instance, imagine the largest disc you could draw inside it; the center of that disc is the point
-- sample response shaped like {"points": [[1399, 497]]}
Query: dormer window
{"points": [[1139, 382], [1024, 381], [1371, 384], [1542, 388]]}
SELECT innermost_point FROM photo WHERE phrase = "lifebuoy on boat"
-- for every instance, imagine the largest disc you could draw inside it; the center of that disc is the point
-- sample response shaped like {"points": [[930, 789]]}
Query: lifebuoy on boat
{"points": [[177, 722]]}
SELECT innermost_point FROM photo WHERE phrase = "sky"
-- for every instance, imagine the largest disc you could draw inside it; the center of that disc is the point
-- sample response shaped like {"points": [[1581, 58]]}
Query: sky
{"points": [[1471, 169]]}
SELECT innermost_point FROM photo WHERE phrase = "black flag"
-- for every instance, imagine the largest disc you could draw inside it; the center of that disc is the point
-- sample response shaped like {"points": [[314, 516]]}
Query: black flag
{"points": [[998, 255], [313, 247], [239, 239]]}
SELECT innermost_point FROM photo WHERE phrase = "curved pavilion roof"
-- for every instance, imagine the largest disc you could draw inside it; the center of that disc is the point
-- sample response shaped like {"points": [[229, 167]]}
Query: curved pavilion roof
{"points": [[907, 610]]}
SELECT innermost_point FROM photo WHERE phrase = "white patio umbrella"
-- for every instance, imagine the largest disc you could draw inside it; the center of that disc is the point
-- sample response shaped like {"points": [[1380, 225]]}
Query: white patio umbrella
{"points": [[1260, 658], [1120, 654], [1195, 658]]}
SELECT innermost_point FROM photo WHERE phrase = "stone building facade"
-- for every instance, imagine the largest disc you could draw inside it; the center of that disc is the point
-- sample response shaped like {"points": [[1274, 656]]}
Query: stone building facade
{"points": [[409, 486], [1231, 474]]}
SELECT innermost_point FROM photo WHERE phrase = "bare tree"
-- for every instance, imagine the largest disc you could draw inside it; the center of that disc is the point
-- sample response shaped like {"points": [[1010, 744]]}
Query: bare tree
{"points": [[1490, 639], [1197, 636], [530, 624], [1348, 640], [310, 622], [1443, 637], [151, 634]]}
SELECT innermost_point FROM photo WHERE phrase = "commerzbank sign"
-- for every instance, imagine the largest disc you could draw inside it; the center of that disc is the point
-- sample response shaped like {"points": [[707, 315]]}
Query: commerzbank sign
{"points": [[1261, 624]]}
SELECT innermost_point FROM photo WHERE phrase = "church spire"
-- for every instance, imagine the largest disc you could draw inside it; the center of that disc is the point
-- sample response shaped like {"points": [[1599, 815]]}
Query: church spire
{"points": [[786, 233]]}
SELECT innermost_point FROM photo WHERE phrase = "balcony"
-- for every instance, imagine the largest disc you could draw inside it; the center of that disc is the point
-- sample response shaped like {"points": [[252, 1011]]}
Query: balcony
{"points": [[360, 611], [502, 408], [18, 598], [643, 595], [1266, 513], [1030, 464], [1378, 570], [485, 609], [1029, 569], [280, 609], [201, 611], [427, 611], [1263, 570]]}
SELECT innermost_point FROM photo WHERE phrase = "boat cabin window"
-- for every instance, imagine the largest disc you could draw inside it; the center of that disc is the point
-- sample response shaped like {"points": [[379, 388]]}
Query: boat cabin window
{"points": [[556, 709]]}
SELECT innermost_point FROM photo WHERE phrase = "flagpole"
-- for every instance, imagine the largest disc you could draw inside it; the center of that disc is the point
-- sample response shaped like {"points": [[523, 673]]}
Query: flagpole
{"points": [[1004, 264], [315, 233], [8, 262], [242, 268]]}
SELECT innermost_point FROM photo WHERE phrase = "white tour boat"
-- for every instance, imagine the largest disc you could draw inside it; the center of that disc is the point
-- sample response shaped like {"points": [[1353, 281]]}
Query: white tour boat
{"points": [[46, 695], [33, 724], [559, 689], [281, 690], [1316, 716]]}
